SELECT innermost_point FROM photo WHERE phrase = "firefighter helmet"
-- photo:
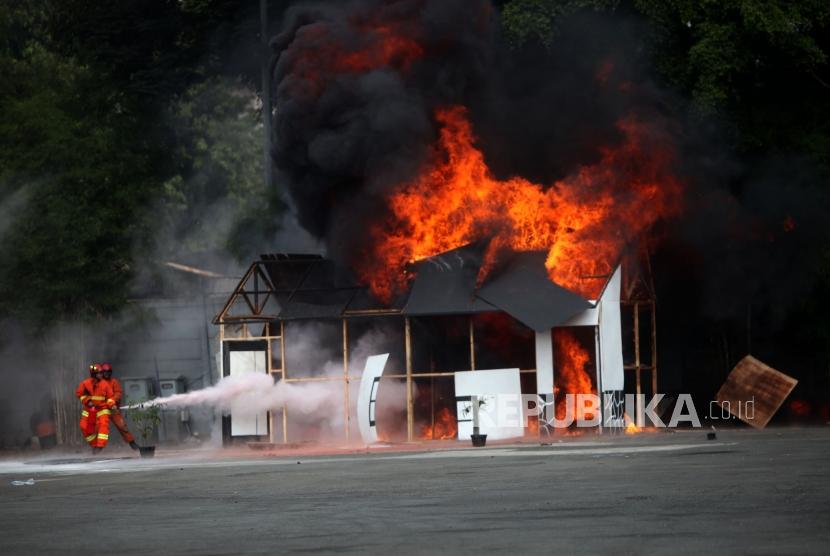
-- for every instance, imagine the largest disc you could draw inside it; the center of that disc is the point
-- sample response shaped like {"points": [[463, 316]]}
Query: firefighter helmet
{"points": [[107, 369], [94, 369]]}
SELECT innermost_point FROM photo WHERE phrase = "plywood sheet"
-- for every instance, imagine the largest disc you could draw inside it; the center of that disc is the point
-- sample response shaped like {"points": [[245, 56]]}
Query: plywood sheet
{"points": [[754, 391]]}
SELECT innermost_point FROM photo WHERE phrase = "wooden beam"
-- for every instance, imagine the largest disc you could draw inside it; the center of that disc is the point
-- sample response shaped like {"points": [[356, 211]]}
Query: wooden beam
{"points": [[653, 349], [370, 312], [284, 425], [598, 369], [346, 412], [334, 378], [193, 270], [272, 418], [282, 361], [472, 346], [410, 402], [637, 348], [219, 318]]}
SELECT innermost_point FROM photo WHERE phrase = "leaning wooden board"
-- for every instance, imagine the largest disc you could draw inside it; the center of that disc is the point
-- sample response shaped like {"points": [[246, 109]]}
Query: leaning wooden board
{"points": [[754, 381]]}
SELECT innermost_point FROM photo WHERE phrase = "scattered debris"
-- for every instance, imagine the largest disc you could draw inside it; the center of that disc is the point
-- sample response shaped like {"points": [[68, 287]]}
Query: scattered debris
{"points": [[712, 435], [261, 446]]}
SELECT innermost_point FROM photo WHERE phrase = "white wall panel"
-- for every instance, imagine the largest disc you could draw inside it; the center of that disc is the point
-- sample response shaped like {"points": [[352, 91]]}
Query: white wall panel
{"points": [[610, 336], [366, 397]]}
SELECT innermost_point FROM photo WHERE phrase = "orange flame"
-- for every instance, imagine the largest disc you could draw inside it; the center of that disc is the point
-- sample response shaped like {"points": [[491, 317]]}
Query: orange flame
{"points": [[631, 427], [444, 427], [386, 48], [571, 375], [326, 54], [583, 221], [532, 427]]}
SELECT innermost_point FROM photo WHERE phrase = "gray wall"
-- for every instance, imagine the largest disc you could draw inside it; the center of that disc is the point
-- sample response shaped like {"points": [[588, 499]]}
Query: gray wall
{"points": [[176, 339]]}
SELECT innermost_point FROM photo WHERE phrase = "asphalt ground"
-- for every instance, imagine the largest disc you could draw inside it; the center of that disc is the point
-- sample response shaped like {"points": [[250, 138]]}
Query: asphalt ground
{"points": [[748, 492]]}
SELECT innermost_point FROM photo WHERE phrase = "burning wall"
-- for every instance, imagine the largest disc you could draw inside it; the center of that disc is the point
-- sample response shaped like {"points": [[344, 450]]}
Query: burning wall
{"points": [[573, 373]]}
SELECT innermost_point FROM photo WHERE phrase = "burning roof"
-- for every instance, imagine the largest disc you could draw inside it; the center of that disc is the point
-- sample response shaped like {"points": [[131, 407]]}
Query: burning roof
{"points": [[582, 223], [387, 116], [310, 287], [446, 283], [524, 291]]}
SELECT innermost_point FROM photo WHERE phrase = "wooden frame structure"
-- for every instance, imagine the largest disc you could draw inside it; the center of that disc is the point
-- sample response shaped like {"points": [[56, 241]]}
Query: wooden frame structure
{"points": [[254, 294], [638, 295], [252, 312]]}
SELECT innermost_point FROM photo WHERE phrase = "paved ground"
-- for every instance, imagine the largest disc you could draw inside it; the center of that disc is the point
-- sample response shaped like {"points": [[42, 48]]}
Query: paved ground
{"points": [[746, 493]]}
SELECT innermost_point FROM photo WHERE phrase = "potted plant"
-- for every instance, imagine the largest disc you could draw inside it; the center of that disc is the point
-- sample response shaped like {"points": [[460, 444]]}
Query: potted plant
{"points": [[146, 418], [476, 403]]}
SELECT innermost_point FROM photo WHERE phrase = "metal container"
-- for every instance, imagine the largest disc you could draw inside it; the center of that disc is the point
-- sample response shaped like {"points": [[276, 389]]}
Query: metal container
{"points": [[173, 421]]}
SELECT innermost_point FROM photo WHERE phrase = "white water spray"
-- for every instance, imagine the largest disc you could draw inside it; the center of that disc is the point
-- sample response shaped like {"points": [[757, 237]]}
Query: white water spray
{"points": [[254, 393]]}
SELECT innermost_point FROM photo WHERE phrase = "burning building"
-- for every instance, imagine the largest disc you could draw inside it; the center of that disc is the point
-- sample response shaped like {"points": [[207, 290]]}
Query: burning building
{"points": [[443, 324], [483, 209]]}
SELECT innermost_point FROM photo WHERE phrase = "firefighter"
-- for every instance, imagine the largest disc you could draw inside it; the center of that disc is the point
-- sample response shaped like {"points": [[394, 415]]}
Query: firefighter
{"points": [[97, 399], [117, 418]]}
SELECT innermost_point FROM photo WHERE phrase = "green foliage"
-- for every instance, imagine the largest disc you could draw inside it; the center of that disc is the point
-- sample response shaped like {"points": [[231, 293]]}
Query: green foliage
{"points": [[63, 142], [761, 63], [146, 417], [756, 63], [217, 197], [529, 21], [760, 66], [117, 145]]}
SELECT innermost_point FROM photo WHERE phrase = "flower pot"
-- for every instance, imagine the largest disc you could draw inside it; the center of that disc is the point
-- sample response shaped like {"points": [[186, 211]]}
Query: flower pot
{"points": [[147, 451], [479, 440]]}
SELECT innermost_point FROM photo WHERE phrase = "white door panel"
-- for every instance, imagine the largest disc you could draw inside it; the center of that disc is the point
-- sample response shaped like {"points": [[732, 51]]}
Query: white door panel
{"points": [[243, 422]]}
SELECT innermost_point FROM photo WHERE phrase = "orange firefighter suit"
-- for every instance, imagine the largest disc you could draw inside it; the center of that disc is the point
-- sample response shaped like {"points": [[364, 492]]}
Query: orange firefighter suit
{"points": [[97, 398], [117, 417]]}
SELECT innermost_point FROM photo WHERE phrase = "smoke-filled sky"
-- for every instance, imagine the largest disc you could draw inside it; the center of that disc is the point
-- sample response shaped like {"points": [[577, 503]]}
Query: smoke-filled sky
{"points": [[358, 85], [386, 110]]}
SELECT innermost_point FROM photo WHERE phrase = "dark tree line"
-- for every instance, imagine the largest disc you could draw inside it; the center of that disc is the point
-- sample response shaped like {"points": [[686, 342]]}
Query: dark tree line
{"points": [[130, 133]]}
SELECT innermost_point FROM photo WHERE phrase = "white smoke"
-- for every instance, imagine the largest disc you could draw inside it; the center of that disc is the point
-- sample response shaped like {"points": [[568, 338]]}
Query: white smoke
{"points": [[254, 393], [12, 206], [317, 402], [315, 408]]}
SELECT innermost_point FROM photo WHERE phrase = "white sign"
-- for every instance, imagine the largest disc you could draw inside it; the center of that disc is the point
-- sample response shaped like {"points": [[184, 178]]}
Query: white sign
{"points": [[366, 397], [499, 393]]}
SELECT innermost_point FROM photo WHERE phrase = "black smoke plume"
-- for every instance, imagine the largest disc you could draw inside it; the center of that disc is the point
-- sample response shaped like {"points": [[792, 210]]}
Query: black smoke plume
{"points": [[347, 135], [730, 271]]}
